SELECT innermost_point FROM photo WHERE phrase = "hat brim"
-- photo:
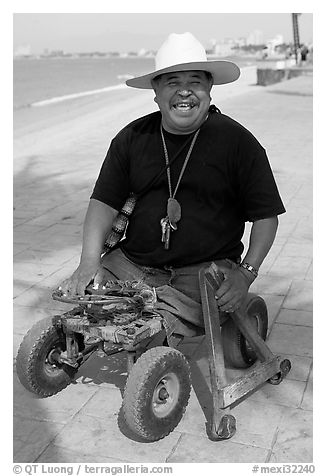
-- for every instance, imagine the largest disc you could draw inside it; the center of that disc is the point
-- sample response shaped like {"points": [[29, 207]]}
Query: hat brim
{"points": [[222, 71]]}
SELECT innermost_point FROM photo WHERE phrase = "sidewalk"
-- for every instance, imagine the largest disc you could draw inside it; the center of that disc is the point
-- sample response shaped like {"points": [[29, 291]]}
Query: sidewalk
{"points": [[53, 182]]}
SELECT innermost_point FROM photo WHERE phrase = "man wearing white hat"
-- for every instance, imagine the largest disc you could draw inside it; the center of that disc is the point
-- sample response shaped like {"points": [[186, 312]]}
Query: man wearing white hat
{"points": [[197, 176]]}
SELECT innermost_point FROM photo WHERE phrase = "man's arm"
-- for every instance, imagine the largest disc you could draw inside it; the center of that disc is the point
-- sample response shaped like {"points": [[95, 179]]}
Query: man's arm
{"points": [[97, 225], [233, 291], [262, 237]]}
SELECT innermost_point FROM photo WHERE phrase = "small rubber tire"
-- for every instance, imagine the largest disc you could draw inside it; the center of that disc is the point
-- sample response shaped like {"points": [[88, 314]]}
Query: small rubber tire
{"points": [[237, 350], [156, 393], [35, 369]]}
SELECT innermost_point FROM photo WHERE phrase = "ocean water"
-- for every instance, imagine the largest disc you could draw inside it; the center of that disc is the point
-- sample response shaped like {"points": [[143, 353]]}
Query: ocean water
{"points": [[38, 80]]}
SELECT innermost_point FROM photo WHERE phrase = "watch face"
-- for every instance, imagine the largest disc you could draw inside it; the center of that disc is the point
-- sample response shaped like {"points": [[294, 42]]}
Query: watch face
{"points": [[250, 268]]}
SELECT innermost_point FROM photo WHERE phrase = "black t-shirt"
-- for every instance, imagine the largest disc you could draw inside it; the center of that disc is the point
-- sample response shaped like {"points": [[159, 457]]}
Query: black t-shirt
{"points": [[227, 181]]}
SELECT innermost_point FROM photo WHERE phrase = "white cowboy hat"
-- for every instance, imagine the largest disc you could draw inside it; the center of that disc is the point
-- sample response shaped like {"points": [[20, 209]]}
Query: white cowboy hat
{"points": [[183, 52]]}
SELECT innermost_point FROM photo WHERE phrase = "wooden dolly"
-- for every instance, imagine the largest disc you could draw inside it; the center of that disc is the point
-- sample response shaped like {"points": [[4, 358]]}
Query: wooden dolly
{"points": [[268, 367]]}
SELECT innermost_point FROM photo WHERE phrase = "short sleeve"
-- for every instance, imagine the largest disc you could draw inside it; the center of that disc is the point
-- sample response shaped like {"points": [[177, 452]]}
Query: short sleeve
{"points": [[112, 185], [258, 192]]}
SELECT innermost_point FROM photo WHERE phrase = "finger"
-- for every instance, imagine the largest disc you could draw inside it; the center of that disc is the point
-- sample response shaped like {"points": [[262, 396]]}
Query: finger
{"points": [[230, 306], [64, 287], [61, 288], [80, 287], [226, 298], [100, 277], [223, 289], [80, 290], [232, 298]]}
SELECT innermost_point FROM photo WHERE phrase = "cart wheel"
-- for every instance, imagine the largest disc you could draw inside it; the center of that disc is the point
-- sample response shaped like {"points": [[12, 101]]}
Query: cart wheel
{"points": [[36, 363], [237, 350], [156, 393]]}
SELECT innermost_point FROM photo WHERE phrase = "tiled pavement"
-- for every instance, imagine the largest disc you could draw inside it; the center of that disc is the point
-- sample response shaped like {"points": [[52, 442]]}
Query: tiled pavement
{"points": [[81, 424]]}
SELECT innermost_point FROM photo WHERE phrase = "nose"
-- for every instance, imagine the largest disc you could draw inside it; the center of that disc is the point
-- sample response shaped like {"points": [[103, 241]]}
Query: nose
{"points": [[185, 92]]}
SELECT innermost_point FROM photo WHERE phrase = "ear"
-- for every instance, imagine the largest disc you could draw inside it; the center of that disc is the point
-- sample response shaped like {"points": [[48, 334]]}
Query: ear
{"points": [[211, 82], [153, 84]]}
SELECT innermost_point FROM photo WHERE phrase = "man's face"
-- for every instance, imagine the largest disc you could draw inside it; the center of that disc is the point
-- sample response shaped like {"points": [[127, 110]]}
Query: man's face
{"points": [[183, 98]]}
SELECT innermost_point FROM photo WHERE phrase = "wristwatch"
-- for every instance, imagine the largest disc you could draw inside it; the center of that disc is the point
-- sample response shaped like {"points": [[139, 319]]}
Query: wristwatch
{"points": [[249, 268]]}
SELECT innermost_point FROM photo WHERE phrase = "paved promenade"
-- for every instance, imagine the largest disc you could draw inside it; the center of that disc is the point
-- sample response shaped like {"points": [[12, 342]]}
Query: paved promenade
{"points": [[54, 173]]}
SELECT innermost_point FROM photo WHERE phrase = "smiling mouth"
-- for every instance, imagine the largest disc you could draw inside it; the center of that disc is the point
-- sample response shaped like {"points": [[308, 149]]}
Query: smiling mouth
{"points": [[184, 106]]}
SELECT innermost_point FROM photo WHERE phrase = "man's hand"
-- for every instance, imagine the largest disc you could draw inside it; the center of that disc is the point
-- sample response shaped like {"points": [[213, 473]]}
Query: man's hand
{"points": [[234, 289], [231, 294], [81, 277]]}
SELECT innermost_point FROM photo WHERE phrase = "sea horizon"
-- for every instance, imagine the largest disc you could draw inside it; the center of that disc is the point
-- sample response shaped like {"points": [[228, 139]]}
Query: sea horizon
{"points": [[38, 82]]}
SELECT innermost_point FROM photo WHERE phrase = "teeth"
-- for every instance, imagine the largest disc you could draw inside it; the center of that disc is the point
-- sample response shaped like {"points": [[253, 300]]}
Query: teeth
{"points": [[184, 106]]}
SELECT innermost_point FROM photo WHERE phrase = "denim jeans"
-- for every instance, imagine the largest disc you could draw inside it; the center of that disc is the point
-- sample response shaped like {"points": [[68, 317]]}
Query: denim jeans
{"points": [[177, 290]]}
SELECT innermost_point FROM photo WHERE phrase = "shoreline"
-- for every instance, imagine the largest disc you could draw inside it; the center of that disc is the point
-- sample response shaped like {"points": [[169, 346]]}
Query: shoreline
{"points": [[67, 97], [91, 92], [99, 114]]}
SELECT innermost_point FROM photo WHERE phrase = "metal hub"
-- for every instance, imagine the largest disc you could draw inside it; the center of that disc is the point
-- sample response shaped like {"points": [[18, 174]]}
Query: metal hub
{"points": [[52, 360], [165, 395]]}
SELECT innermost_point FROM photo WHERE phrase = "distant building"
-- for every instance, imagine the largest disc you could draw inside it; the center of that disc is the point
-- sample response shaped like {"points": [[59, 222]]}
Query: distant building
{"points": [[255, 38], [212, 42], [23, 50], [222, 49], [53, 53], [273, 46], [239, 42], [225, 48]]}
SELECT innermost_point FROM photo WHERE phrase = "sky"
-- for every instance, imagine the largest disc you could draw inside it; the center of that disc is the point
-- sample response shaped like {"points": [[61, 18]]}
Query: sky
{"points": [[84, 32]]}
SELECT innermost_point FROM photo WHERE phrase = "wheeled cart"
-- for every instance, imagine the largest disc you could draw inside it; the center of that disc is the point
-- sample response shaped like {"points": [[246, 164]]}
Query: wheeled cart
{"points": [[121, 317]]}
